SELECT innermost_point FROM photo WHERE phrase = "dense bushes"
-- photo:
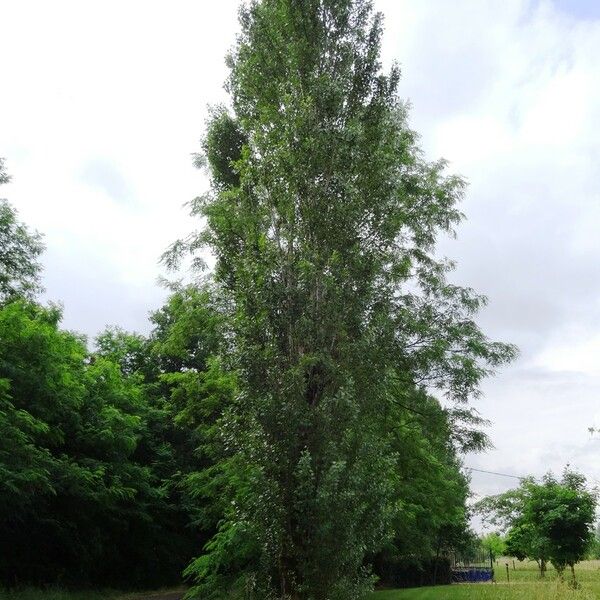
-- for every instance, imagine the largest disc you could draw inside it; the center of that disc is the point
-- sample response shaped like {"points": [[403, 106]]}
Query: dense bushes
{"points": [[79, 502], [413, 571], [97, 446]]}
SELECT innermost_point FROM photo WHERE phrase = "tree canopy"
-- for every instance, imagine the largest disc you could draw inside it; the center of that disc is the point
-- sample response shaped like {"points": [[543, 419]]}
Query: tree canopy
{"points": [[551, 520], [97, 446]]}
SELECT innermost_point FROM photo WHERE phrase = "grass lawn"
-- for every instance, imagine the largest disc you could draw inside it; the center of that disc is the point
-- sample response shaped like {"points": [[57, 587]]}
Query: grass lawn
{"points": [[524, 585]]}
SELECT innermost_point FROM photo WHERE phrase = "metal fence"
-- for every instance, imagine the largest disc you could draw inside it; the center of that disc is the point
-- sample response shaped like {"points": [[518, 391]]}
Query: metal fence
{"points": [[474, 567]]}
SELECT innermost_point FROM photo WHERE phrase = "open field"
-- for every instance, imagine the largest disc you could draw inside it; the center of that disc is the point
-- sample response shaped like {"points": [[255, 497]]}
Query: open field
{"points": [[524, 585]]}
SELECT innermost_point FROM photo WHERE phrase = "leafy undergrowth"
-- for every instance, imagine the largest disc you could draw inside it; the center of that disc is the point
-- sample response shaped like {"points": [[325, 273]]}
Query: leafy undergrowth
{"points": [[528, 591]]}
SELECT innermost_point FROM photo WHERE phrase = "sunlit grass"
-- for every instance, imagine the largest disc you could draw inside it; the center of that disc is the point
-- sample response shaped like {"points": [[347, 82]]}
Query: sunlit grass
{"points": [[524, 584]]}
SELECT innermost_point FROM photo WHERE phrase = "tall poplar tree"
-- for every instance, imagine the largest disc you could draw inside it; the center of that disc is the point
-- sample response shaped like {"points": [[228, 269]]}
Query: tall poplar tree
{"points": [[323, 217]]}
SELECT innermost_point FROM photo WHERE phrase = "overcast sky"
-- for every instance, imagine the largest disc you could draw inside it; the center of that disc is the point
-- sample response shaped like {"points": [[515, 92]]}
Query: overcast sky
{"points": [[102, 103]]}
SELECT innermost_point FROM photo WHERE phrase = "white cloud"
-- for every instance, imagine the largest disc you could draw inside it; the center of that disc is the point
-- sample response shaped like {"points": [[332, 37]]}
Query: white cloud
{"points": [[101, 107], [509, 93], [576, 351]]}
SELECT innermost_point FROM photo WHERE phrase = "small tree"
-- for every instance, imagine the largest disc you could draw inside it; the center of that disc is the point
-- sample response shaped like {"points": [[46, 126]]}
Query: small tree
{"points": [[566, 512], [547, 521], [524, 541], [494, 545]]}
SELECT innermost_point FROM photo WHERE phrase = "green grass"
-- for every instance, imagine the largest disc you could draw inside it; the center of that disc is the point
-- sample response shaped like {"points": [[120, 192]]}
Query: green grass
{"points": [[524, 585]]}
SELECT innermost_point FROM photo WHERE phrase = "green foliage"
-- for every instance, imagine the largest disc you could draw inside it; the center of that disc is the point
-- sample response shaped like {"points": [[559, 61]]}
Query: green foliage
{"points": [[594, 550], [493, 544], [547, 521], [95, 450], [223, 147], [19, 252], [431, 518], [522, 543], [71, 428], [567, 513], [323, 217], [280, 417], [4, 177], [188, 330]]}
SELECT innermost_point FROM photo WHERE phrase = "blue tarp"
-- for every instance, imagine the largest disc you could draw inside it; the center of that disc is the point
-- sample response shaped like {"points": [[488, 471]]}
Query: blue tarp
{"points": [[471, 574]]}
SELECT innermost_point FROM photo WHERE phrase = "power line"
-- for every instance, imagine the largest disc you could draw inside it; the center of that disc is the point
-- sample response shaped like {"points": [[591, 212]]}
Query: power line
{"points": [[593, 479], [494, 473]]}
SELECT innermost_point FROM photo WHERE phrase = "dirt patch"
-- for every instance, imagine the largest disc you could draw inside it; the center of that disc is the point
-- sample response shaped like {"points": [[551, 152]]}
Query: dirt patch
{"points": [[164, 595]]}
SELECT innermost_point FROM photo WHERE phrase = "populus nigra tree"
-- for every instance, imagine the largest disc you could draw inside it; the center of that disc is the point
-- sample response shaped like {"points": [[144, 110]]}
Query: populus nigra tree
{"points": [[323, 217]]}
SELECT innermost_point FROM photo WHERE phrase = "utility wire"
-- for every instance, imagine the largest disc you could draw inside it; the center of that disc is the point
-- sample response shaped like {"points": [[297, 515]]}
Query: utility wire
{"points": [[494, 473]]}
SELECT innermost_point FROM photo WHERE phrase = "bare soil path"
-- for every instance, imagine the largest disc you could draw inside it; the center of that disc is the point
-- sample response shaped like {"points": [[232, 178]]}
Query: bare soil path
{"points": [[167, 596], [160, 595]]}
